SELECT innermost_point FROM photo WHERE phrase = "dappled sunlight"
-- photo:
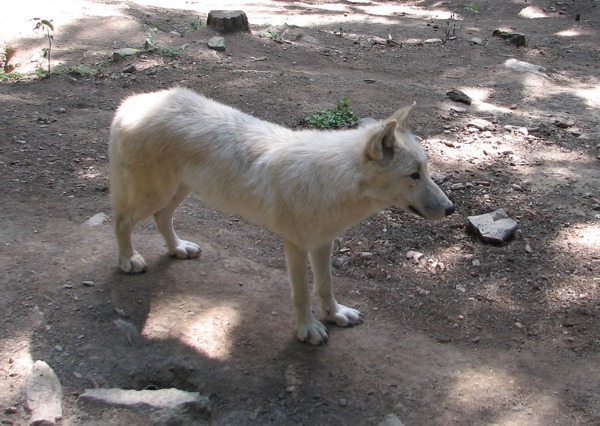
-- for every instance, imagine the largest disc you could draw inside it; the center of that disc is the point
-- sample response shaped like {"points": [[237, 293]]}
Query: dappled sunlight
{"points": [[475, 387], [591, 96], [60, 12], [311, 13], [207, 332], [486, 388], [581, 236], [571, 32], [480, 96]]}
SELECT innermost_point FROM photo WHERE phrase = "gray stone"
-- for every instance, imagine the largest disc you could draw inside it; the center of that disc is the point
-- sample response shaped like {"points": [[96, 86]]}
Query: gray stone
{"points": [[119, 54], [521, 66], [391, 420], [216, 43], [477, 40], [164, 403], [458, 96], [481, 124], [433, 41], [494, 228], [129, 69], [44, 395], [97, 219]]}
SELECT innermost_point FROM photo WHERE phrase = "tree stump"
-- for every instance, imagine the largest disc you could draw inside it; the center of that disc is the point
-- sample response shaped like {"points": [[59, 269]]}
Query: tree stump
{"points": [[228, 21]]}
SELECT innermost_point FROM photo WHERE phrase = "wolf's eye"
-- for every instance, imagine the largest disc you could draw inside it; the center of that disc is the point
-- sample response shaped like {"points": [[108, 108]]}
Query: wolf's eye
{"points": [[415, 176]]}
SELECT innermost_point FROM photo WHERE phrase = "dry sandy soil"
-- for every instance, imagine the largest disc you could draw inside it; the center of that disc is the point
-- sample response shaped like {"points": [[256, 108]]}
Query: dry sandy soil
{"points": [[471, 334]]}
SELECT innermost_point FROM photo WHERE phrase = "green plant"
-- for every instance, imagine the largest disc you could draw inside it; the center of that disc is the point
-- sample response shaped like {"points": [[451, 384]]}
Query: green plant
{"points": [[148, 43], [333, 118], [194, 25], [46, 26], [79, 70], [14, 76], [40, 72], [472, 7], [274, 35], [171, 52]]}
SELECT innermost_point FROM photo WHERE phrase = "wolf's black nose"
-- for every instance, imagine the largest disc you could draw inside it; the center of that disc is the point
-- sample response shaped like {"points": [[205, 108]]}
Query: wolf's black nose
{"points": [[449, 209]]}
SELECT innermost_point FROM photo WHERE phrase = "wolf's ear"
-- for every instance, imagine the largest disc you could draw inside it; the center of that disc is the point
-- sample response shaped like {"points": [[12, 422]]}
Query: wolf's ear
{"points": [[402, 116], [382, 143]]}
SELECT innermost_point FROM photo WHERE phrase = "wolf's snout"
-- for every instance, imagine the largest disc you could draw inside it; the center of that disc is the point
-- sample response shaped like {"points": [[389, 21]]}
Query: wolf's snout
{"points": [[450, 209]]}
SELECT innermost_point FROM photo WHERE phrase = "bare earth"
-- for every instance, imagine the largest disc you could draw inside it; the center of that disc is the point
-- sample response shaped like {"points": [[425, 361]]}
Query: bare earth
{"points": [[471, 334]]}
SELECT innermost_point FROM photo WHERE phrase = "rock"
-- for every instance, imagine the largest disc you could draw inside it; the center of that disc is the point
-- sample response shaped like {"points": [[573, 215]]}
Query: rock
{"points": [[458, 110], [391, 420], [432, 41], [458, 186], [477, 40], [168, 406], [216, 43], [129, 69], [119, 54], [227, 21], [517, 39], [414, 256], [521, 66], [44, 395], [494, 228], [480, 124], [458, 96], [97, 219], [563, 123]]}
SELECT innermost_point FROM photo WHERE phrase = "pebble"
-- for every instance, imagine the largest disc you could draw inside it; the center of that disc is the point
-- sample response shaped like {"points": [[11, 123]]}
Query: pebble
{"points": [[480, 124], [414, 255], [459, 96]]}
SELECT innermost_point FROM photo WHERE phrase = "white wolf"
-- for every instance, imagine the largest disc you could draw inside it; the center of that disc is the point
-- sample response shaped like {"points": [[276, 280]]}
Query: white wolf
{"points": [[307, 186]]}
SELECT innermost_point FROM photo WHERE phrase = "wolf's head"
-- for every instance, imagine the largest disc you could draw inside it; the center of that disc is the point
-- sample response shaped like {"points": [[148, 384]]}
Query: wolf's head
{"points": [[397, 169]]}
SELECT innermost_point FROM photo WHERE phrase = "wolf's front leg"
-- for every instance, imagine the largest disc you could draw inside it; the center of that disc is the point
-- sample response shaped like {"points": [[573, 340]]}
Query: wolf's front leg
{"points": [[320, 259], [309, 328]]}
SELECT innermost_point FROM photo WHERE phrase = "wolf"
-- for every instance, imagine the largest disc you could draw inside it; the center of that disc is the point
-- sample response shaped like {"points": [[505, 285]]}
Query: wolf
{"points": [[308, 186]]}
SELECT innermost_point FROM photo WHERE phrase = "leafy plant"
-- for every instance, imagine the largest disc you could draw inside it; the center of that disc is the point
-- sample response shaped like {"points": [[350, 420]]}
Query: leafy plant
{"points": [[472, 7], [274, 35], [172, 52], [194, 25], [333, 118], [46, 26], [14, 76], [81, 70]]}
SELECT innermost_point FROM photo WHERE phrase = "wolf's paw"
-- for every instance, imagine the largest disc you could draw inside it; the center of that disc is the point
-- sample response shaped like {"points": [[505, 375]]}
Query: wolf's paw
{"points": [[345, 316], [313, 332], [133, 265], [185, 250]]}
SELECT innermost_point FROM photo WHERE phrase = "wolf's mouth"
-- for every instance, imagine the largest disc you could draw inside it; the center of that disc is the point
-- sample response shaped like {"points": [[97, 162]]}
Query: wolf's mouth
{"points": [[415, 211]]}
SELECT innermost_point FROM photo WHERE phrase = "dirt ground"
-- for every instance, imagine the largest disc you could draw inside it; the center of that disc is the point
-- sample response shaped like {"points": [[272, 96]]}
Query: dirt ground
{"points": [[470, 334]]}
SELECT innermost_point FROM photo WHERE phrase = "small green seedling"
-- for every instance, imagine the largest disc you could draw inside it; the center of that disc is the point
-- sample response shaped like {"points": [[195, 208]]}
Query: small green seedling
{"points": [[335, 118], [46, 26]]}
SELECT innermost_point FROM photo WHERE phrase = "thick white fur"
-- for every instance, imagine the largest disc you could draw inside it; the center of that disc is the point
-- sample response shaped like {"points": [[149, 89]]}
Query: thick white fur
{"points": [[307, 186]]}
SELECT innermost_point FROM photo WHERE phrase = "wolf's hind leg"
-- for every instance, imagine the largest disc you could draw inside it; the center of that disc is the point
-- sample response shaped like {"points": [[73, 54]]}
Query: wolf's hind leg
{"points": [[320, 260], [164, 222], [130, 261], [309, 328]]}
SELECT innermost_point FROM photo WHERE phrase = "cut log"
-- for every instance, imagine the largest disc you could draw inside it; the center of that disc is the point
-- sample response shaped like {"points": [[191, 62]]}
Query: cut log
{"points": [[228, 21]]}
